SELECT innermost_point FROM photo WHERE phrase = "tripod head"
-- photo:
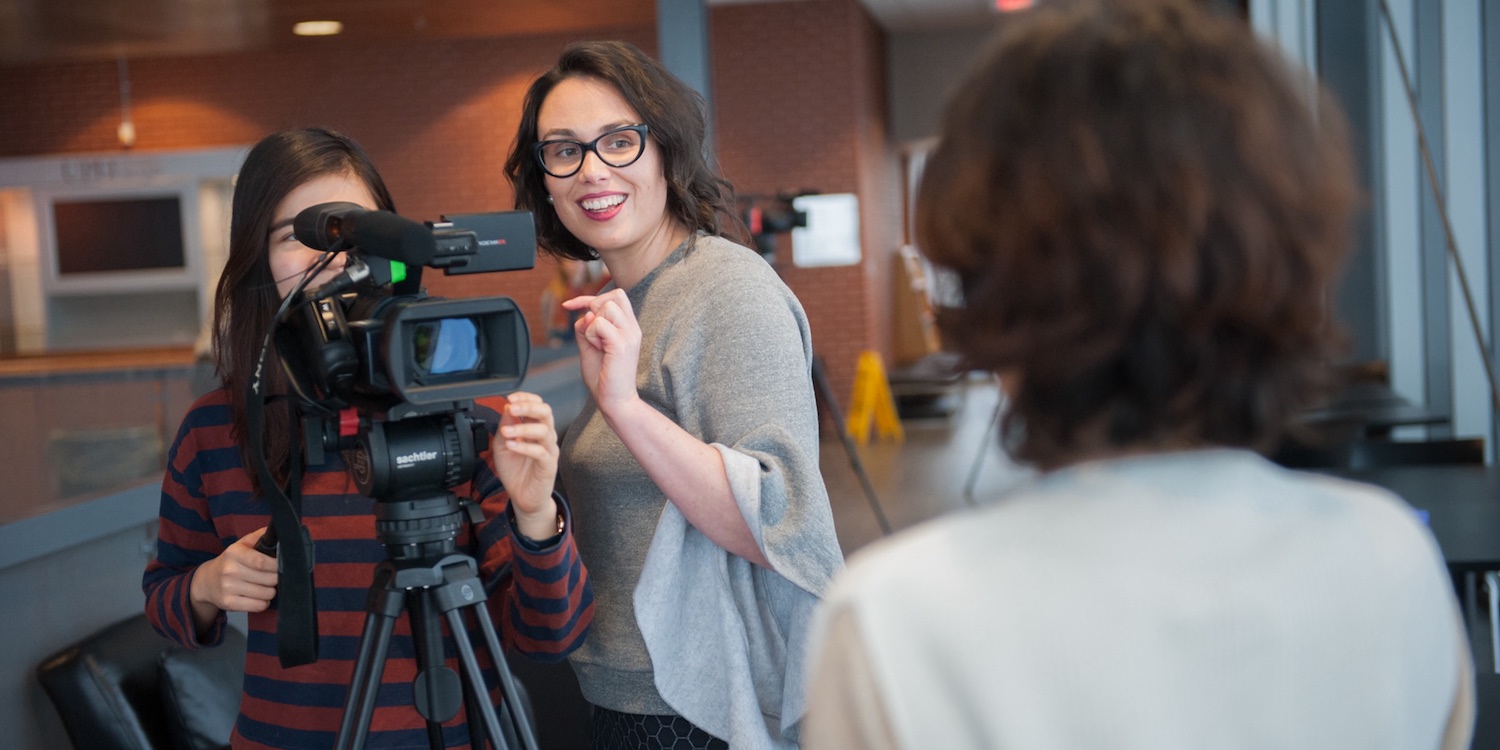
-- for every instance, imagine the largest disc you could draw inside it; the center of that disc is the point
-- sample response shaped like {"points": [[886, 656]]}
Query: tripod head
{"points": [[421, 531], [408, 467]]}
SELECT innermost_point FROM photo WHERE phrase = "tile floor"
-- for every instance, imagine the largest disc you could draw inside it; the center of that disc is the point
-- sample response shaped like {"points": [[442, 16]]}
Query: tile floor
{"points": [[923, 476]]}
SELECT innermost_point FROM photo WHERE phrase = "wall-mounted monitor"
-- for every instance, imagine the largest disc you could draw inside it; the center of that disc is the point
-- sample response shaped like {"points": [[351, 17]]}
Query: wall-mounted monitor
{"points": [[118, 234], [120, 266], [136, 239], [112, 250]]}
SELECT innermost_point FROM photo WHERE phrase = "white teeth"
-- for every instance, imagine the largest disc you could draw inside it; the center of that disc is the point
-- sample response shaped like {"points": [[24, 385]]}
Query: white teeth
{"points": [[600, 204]]}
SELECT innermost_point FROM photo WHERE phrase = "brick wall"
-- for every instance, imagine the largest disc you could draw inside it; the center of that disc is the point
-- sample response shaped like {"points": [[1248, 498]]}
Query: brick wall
{"points": [[799, 104], [799, 99]]}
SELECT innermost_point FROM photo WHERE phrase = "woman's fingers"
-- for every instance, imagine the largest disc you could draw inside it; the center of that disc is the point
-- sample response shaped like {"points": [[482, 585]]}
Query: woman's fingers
{"points": [[532, 450], [523, 408], [616, 310], [239, 579], [517, 437], [579, 303], [584, 329], [246, 603], [255, 577], [601, 331], [525, 404], [618, 298], [615, 299], [527, 422], [536, 432], [238, 568]]}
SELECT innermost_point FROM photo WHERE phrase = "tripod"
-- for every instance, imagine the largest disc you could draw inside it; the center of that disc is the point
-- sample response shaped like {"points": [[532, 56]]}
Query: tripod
{"points": [[425, 576], [825, 392]]}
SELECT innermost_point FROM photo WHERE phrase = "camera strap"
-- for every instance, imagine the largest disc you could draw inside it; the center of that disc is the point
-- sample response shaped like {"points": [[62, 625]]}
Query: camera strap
{"points": [[296, 611]]}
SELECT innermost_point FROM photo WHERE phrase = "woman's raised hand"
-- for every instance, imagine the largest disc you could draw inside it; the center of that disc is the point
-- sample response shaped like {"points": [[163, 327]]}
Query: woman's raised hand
{"points": [[609, 347]]}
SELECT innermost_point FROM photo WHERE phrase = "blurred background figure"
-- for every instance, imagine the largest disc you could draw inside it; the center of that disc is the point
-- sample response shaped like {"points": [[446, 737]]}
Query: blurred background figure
{"points": [[1145, 214]]}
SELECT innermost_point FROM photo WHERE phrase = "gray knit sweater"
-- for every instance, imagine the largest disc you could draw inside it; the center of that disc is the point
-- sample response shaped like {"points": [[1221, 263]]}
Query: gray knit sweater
{"points": [[680, 625]]}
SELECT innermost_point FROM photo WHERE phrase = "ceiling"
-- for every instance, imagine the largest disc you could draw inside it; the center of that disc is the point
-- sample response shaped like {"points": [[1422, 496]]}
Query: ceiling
{"points": [[38, 31]]}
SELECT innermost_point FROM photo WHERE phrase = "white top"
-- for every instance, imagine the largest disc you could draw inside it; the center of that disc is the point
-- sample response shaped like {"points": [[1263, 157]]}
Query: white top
{"points": [[1194, 600]]}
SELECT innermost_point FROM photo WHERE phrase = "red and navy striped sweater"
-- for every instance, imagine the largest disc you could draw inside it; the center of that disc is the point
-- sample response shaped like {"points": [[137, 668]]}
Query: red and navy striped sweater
{"points": [[541, 606]]}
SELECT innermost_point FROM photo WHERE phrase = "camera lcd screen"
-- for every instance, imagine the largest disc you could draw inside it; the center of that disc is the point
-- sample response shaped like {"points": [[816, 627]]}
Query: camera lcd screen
{"points": [[446, 346]]}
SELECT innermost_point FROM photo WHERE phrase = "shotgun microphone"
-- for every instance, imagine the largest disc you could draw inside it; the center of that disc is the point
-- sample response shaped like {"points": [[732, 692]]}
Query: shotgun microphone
{"points": [[342, 225]]}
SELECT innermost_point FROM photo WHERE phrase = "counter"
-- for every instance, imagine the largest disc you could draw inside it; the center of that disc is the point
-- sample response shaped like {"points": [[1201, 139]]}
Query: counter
{"points": [[85, 438]]}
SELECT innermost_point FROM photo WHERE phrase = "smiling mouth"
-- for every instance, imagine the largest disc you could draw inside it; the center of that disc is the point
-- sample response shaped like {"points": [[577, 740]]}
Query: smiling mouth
{"points": [[602, 204]]}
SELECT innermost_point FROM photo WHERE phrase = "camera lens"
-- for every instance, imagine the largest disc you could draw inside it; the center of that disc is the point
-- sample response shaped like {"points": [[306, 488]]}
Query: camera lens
{"points": [[446, 346]]}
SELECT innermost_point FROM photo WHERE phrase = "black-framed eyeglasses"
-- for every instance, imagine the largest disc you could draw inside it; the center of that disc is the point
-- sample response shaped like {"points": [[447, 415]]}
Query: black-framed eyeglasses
{"points": [[617, 148]]}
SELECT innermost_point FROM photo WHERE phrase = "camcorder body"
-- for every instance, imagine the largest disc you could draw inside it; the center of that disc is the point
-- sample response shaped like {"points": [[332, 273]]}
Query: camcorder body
{"points": [[387, 374]]}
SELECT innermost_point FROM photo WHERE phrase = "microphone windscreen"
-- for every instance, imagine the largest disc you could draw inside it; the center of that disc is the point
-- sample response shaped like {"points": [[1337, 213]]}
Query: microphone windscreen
{"points": [[352, 227], [389, 236]]}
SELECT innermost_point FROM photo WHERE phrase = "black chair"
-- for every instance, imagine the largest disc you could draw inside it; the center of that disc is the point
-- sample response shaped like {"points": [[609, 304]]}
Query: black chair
{"points": [[127, 688], [1373, 454]]}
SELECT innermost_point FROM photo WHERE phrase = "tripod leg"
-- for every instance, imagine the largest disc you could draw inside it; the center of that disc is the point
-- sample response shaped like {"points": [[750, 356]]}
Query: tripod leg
{"points": [[473, 694], [385, 606], [513, 706], [470, 664], [825, 392], [461, 589], [473, 717], [476, 691], [436, 690], [984, 444]]}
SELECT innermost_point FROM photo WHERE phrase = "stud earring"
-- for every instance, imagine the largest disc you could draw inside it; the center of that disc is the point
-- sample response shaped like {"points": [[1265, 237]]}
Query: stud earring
{"points": [[549, 199]]}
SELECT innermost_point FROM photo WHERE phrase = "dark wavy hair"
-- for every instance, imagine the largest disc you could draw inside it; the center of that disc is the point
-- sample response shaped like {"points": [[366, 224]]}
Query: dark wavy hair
{"points": [[674, 114], [246, 299], [1145, 216]]}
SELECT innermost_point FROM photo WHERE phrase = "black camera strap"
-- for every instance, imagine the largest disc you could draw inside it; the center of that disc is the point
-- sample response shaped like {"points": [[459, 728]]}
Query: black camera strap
{"points": [[288, 540]]}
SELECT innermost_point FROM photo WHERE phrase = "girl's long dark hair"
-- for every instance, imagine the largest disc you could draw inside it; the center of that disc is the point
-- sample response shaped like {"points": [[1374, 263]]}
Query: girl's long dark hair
{"points": [[246, 299]]}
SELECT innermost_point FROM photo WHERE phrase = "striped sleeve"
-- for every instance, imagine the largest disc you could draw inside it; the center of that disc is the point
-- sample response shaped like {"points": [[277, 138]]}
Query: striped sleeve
{"points": [[186, 537], [540, 599]]}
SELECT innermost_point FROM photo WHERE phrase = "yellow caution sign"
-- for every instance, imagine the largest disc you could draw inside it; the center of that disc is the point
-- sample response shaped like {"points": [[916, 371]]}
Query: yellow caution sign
{"points": [[872, 403]]}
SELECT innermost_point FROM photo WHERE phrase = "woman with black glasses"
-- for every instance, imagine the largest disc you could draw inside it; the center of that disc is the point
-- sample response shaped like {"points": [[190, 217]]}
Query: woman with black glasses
{"points": [[694, 465]]}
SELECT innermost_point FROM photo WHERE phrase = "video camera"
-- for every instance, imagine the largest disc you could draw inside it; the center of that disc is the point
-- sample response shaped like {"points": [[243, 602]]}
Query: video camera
{"points": [[768, 216], [386, 373]]}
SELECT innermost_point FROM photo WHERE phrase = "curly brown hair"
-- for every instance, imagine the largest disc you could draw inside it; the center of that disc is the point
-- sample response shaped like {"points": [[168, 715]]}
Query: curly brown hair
{"points": [[697, 196], [1145, 215]]}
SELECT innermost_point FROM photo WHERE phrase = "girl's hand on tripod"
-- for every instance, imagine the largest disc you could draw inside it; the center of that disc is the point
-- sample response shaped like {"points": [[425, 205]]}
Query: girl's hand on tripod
{"points": [[525, 453], [240, 579]]}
